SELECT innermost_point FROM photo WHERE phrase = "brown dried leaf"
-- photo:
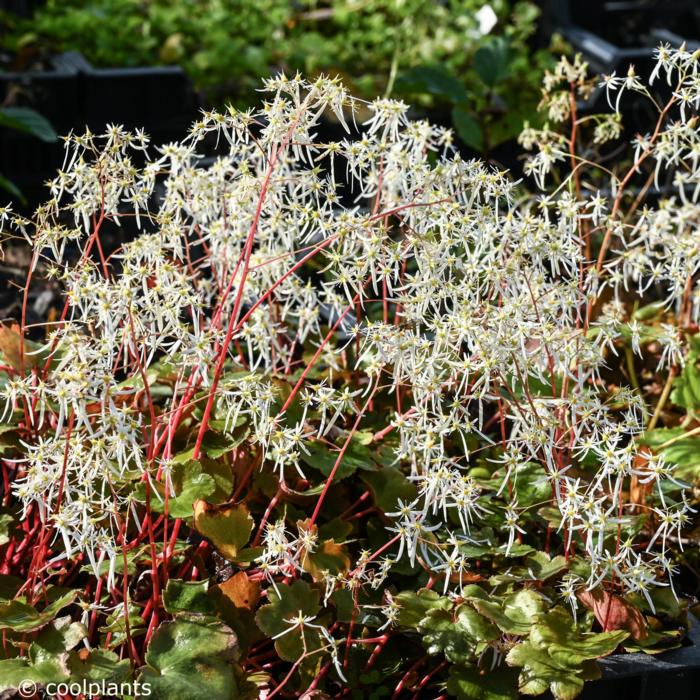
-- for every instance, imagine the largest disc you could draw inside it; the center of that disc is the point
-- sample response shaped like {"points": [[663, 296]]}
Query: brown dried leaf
{"points": [[241, 591], [614, 612], [11, 345], [638, 491]]}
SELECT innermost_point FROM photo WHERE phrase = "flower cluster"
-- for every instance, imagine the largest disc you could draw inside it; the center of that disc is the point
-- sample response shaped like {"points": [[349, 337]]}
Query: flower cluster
{"points": [[375, 301]]}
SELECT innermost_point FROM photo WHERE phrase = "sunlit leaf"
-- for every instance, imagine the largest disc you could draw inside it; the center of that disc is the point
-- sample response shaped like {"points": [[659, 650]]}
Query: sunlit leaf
{"points": [[19, 616], [191, 659], [415, 605], [286, 604], [187, 597], [227, 527]]}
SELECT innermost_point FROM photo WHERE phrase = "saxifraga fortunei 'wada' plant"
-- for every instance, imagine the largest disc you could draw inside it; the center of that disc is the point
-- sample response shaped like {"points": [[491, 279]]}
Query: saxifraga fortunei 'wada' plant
{"points": [[357, 413]]}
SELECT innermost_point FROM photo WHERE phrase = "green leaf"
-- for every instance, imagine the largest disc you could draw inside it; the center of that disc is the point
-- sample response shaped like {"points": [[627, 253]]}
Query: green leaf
{"points": [[357, 456], [62, 635], [21, 617], [190, 485], [219, 470], [28, 121], [388, 485], [435, 80], [557, 633], [568, 688], [686, 387], [47, 658], [222, 474], [191, 659], [336, 529], [187, 597], [14, 672], [7, 523], [115, 626], [472, 684], [329, 557], [515, 614], [10, 187], [523, 606], [99, 665], [286, 603], [414, 606], [684, 452], [541, 672], [560, 657], [530, 484], [541, 567], [467, 127], [227, 527], [655, 642], [649, 312], [491, 62], [216, 445], [9, 586], [458, 637]]}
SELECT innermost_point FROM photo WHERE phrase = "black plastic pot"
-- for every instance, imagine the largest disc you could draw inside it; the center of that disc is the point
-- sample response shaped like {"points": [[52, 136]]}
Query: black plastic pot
{"points": [[55, 93], [672, 675], [614, 34], [73, 94], [24, 8], [611, 34]]}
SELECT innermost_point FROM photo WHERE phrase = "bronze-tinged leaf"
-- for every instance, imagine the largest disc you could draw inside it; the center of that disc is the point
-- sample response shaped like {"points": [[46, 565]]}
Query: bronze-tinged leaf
{"points": [[241, 590], [11, 349], [614, 613], [228, 527], [638, 491], [11, 346], [327, 556]]}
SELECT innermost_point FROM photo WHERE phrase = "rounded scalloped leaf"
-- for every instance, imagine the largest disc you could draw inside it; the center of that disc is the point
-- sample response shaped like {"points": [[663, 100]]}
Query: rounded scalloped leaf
{"points": [[227, 527], [541, 566], [524, 606], [47, 660], [356, 456], [460, 638], [188, 597], [191, 659], [540, 671], [557, 633], [515, 614], [21, 617], [416, 605], [60, 636], [286, 603], [13, 672], [531, 485], [98, 665], [329, 557], [191, 484], [388, 486]]}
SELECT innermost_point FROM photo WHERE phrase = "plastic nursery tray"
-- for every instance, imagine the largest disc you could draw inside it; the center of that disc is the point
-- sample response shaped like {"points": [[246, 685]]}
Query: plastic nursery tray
{"points": [[673, 674], [24, 8], [73, 94], [612, 34]]}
